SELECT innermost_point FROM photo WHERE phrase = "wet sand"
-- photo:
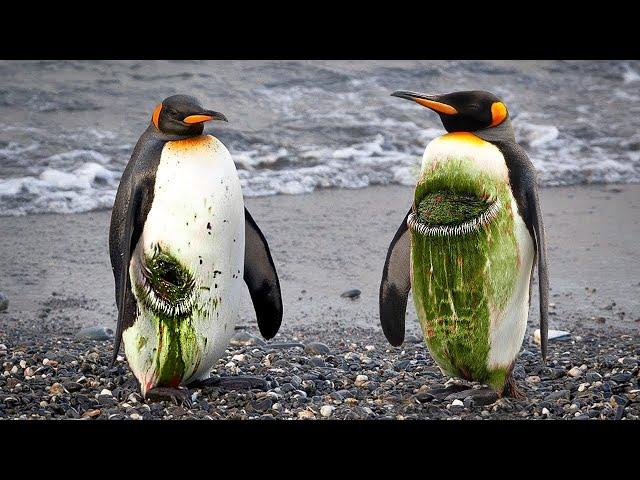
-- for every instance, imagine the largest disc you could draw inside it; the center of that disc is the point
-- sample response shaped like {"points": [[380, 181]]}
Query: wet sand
{"points": [[334, 240]]}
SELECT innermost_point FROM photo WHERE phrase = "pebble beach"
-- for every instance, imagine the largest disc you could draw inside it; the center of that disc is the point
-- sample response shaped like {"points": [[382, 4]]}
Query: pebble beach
{"points": [[330, 359]]}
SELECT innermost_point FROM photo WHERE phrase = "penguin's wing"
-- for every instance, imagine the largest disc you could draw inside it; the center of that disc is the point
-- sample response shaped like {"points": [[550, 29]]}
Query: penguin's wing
{"points": [[395, 285], [524, 185], [133, 227], [130, 209], [262, 279], [535, 220]]}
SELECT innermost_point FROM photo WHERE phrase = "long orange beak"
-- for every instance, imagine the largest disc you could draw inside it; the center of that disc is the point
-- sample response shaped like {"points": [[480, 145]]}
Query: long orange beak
{"points": [[428, 101], [205, 117]]}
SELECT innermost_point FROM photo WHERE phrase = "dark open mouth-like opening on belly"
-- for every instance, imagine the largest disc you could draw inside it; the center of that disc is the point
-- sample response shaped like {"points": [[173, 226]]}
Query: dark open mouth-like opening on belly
{"points": [[164, 284], [449, 213]]}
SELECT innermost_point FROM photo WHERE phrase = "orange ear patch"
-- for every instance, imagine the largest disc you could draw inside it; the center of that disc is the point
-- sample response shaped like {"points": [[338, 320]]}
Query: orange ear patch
{"points": [[156, 115], [498, 113], [437, 106]]}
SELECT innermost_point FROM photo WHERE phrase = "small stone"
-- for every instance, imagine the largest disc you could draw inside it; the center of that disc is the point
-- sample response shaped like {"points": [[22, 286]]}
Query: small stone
{"points": [[557, 395], [245, 382], [3, 347], [29, 372], [554, 335], [412, 339], [360, 380], [135, 416], [593, 377], [316, 348], [262, 404], [546, 412], [305, 415], [621, 377], [618, 400], [14, 370], [327, 410], [352, 294], [56, 389], [370, 348], [244, 339], [95, 333], [583, 387], [533, 379], [239, 358], [285, 345], [424, 397], [575, 372], [4, 302], [72, 386], [317, 362], [23, 364], [106, 392], [457, 403], [92, 413]]}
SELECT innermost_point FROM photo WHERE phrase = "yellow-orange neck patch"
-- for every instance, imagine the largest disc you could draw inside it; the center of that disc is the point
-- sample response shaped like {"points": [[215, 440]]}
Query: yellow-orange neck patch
{"points": [[156, 115], [437, 106], [466, 137], [498, 113]]}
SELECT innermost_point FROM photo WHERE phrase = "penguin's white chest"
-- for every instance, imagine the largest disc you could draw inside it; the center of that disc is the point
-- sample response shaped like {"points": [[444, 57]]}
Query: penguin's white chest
{"points": [[194, 239]]}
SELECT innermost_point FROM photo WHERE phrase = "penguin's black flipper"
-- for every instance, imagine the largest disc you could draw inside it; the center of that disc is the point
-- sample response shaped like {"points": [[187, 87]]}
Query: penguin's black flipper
{"points": [[543, 276], [524, 185], [133, 227], [130, 210], [262, 279], [395, 285]]}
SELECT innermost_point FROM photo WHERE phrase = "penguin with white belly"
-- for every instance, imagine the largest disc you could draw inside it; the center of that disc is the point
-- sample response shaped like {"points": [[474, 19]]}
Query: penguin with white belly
{"points": [[468, 245], [181, 245]]}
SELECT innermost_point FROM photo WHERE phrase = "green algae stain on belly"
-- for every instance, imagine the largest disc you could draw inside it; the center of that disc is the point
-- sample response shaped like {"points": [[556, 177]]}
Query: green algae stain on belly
{"points": [[460, 281], [171, 302]]}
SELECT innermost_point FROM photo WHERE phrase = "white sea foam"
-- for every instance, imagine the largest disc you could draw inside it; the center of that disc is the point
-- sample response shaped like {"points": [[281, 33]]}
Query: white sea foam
{"points": [[313, 125]]}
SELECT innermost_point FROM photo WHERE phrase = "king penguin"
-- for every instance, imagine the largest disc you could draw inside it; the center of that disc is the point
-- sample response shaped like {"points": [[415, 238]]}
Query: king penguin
{"points": [[468, 245], [181, 244]]}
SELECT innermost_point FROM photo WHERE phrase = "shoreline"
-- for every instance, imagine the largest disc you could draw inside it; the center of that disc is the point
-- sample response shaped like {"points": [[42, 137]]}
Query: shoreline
{"points": [[325, 243]]}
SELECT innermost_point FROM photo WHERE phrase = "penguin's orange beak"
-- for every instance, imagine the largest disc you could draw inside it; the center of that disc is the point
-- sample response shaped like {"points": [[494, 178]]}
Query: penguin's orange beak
{"points": [[205, 116], [428, 101]]}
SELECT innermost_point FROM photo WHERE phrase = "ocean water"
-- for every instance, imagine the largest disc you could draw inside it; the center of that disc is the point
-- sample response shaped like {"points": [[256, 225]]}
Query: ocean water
{"points": [[67, 129]]}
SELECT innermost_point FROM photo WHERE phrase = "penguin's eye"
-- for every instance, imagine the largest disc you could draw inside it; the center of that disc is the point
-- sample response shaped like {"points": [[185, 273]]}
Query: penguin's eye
{"points": [[172, 112]]}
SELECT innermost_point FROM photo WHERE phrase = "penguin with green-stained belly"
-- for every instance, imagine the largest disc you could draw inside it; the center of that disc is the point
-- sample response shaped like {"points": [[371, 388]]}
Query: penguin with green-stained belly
{"points": [[181, 245], [468, 245]]}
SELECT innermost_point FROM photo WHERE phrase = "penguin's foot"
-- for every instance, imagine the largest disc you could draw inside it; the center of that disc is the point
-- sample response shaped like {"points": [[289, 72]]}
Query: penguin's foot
{"points": [[511, 389], [178, 395], [442, 393]]}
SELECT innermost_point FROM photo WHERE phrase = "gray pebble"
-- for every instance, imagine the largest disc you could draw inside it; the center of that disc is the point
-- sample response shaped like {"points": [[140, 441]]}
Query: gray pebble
{"points": [[316, 348], [352, 294], [621, 377], [4, 302], [95, 333]]}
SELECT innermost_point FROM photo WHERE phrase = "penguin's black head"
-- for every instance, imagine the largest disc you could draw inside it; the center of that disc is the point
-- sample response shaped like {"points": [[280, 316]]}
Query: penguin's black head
{"points": [[462, 111], [183, 115]]}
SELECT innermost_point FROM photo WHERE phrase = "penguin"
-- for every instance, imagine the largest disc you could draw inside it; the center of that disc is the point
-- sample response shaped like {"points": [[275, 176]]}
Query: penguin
{"points": [[181, 244], [468, 245]]}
